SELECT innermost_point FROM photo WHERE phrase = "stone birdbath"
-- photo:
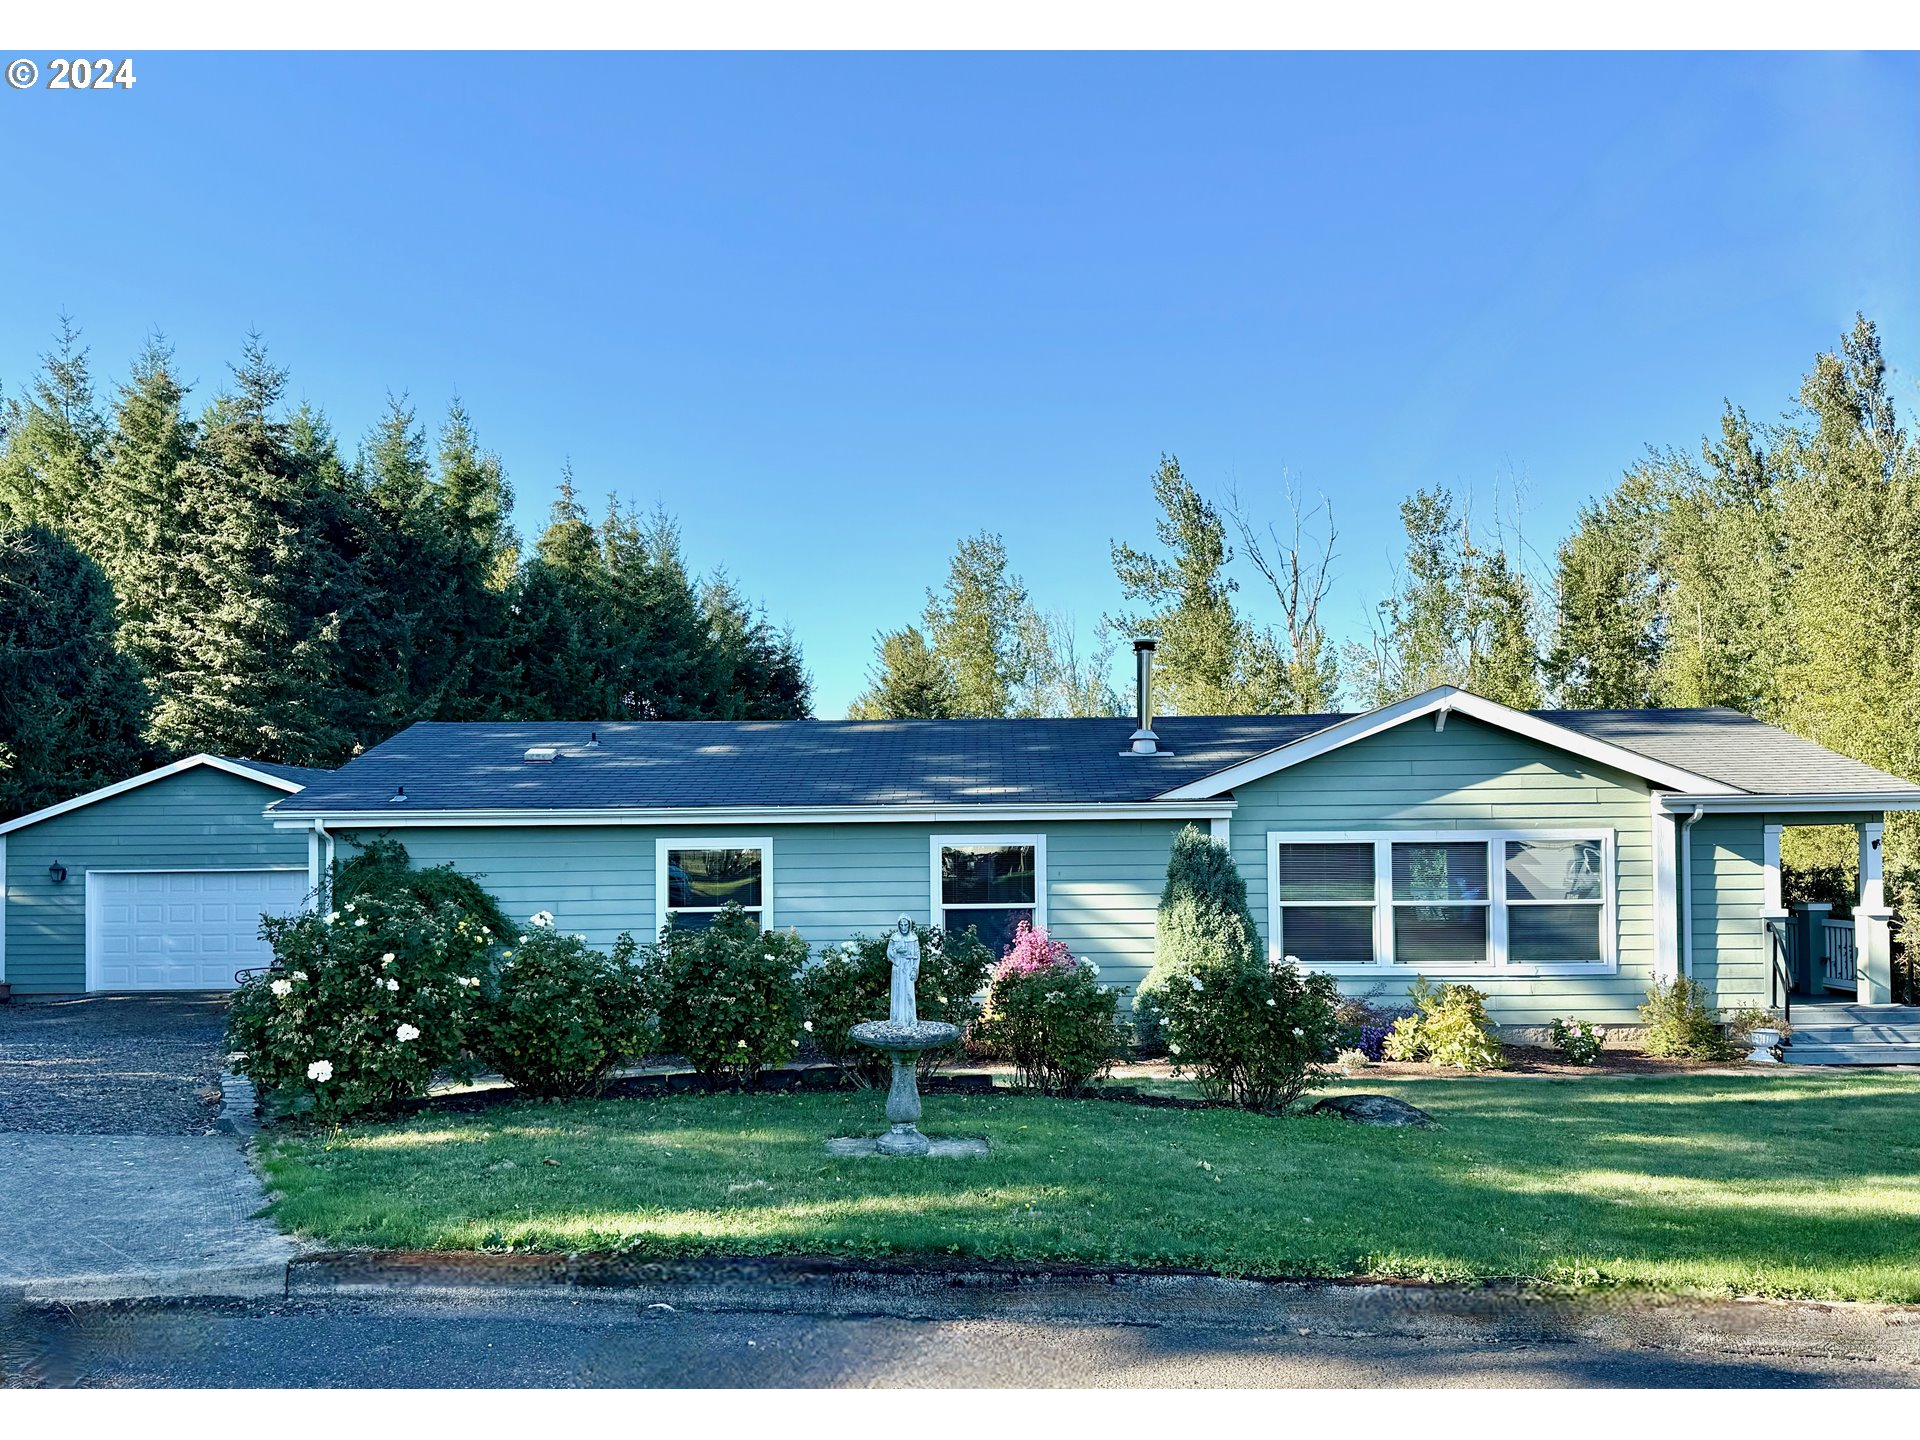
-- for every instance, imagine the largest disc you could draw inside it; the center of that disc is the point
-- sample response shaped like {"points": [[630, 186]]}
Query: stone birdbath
{"points": [[901, 1037]]}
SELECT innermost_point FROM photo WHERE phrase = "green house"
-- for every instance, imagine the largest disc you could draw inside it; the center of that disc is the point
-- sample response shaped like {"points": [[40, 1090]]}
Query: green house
{"points": [[1559, 860]]}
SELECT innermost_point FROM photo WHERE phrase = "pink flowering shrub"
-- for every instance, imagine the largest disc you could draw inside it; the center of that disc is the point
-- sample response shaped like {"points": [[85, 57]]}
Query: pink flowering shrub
{"points": [[362, 1005], [1049, 1014], [1031, 951]]}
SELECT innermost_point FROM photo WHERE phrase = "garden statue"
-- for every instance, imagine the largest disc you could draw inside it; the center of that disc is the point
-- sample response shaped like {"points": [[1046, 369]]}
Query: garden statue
{"points": [[903, 953], [902, 1036]]}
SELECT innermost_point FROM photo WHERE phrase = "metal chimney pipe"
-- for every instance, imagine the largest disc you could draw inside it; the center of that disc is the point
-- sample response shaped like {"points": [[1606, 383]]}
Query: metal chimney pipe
{"points": [[1144, 741]]}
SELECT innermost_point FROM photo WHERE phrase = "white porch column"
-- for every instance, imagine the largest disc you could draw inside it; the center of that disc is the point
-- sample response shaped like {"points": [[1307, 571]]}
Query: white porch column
{"points": [[1666, 893], [1872, 930], [1772, 907]]}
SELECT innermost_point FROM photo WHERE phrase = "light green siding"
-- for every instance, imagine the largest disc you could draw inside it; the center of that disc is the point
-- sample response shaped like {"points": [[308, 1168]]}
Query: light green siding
{"points": [[1472, 776], [200, 819], [1729, 882], [830, 882]]}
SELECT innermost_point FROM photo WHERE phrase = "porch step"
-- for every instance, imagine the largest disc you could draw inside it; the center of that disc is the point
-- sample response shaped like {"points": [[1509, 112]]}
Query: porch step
{"points": [[1799, 1053], [1856, 1034], [1852, 1034]]}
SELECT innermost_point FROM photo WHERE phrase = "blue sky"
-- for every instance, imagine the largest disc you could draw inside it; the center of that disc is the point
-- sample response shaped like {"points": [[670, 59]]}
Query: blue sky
{"points": [[836, 311]]}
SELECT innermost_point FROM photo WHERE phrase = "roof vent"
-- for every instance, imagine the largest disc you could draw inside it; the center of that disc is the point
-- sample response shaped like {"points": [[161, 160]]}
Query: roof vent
{"points": [[399, 796], [593, 740], [541, 754]]}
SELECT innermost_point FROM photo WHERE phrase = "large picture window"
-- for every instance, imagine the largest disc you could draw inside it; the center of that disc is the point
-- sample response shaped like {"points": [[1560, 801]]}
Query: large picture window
{"points": [[1453, 900], [696, 879], [990, 883]]}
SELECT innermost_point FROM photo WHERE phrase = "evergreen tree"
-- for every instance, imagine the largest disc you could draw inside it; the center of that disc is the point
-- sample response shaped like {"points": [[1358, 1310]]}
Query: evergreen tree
{"points": [[1203, 917], [412, 655], [139, 536], [72, 707], [477, 502], [247, 657], [1210, 661], [56, 444], [908, 682], [974, 624], [759, 671]]}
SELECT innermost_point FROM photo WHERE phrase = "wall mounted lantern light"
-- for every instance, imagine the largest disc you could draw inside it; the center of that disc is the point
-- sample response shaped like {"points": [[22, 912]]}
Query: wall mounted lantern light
{"points": [[57, 873]]}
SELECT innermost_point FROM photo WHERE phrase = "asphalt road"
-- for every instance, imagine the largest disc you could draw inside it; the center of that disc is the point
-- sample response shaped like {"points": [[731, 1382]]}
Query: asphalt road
{"points": [[460, 1343]]}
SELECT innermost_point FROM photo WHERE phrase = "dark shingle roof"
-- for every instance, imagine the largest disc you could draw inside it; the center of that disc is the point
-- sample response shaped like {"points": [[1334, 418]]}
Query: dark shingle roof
{"points": [[1732, 748], [773, 764], [298, 774]]}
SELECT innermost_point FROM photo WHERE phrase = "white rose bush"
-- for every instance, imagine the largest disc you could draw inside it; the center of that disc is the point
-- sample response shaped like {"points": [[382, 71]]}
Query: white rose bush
{"points": [[727, 997], [355, 1018], [1256, 1035], [558, 1015]]}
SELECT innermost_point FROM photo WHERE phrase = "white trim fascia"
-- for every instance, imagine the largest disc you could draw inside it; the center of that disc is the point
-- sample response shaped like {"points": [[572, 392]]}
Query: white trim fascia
{"points": [[762, 843], [1445, 698], [1665, 839], [746, 815], [5, 882], [935, 843], [1741, 804], [121, 787], [1496, 903]]}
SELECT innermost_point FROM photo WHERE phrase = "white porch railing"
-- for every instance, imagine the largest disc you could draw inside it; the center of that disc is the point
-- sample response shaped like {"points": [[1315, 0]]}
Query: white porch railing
{"points": [[1837, 954]]}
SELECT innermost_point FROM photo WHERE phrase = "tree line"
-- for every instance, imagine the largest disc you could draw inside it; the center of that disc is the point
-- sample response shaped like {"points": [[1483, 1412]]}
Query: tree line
{"points": [[230, 580], [1774, 568]]}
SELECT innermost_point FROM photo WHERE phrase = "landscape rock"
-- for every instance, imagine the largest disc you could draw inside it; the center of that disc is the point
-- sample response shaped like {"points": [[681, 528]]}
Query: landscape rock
{"points": [[1373, 1110]]}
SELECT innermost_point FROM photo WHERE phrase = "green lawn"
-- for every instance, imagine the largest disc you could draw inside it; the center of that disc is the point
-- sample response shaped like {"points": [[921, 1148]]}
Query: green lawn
{"points": [[1802, 1184]]}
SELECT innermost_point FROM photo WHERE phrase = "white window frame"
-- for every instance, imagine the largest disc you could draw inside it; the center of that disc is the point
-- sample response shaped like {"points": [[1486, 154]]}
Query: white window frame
{"points": [[762, 843], [1497, 903], [936, 904]]}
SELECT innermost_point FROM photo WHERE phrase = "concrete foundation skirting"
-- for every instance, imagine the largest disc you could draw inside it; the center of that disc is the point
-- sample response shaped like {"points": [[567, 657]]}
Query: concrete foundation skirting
{"points": [[1889, 1334]]}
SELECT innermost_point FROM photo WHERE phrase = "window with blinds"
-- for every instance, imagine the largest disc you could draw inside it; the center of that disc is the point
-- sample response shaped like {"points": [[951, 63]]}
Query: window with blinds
{"points": [[1326, 902], [1451, 901]]}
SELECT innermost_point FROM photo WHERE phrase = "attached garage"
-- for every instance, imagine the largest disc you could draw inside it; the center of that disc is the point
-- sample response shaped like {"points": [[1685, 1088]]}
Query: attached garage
{"points": [[157, 883]]}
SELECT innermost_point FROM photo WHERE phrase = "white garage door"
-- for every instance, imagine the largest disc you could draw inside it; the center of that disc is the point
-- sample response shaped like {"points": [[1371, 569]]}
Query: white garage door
{"points": [[182, 929]]}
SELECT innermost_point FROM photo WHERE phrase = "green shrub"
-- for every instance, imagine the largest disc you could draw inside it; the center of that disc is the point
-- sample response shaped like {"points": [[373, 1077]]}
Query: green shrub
{"points": [[1149, 1023], [361, 1006], [1448, 1027], [558, 1014], [1203, 916], [1680, 1023], [1255, 1035], [1578, 1041], [850, 983], [728, 996], [382, 869], [1049, 1014]]}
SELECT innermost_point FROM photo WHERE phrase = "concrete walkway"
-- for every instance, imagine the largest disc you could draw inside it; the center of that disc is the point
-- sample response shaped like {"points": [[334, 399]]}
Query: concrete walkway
{"points": [[102, 1217], [116, 1180]]}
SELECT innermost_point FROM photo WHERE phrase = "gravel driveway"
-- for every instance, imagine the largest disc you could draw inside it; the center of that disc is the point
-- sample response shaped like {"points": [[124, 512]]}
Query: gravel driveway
{"points": [[112, 1065]]}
